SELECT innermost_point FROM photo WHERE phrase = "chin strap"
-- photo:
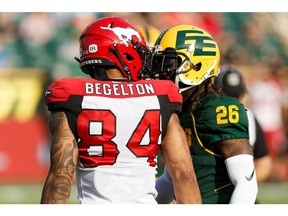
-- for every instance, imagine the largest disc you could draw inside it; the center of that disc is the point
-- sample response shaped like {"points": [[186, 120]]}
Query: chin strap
{"points": [[77, 59]]}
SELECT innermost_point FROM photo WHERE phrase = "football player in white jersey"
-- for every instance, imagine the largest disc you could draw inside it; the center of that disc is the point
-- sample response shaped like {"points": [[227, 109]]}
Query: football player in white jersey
{"points": [[110, 127]]}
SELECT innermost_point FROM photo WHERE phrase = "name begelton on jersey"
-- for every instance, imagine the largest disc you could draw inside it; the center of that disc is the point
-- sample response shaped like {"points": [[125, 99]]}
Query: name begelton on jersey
{"points": [[119, 89]]}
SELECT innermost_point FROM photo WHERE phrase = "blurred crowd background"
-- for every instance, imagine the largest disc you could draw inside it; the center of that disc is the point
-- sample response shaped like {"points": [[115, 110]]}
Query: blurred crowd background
{"points": [[37, 48]]}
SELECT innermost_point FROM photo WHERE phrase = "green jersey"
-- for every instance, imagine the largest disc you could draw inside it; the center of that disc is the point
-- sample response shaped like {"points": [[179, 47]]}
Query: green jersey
{"points": [[214, 119]]}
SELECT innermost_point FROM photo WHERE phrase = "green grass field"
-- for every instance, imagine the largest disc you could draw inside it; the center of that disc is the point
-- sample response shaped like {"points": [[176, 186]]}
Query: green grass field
{"points": [[269, 193], [26, 194], [273, 193]]}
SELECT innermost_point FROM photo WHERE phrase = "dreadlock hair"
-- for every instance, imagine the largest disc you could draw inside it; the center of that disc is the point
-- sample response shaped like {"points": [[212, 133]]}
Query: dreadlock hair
{"points": [[205, 88]]}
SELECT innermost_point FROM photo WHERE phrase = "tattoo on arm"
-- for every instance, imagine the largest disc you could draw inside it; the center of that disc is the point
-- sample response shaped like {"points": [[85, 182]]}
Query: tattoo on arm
{"points": [[63, 159], [232, 147]]}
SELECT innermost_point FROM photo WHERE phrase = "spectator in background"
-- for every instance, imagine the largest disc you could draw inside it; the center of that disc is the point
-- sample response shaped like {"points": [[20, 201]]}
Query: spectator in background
{"points": [[7, 37], [3, 50], [266, 96], [69, 28], [232, 82]]}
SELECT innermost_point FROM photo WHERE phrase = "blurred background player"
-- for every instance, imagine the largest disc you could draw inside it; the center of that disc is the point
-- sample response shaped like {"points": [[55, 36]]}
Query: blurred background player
{"points": [[216, 125], [232, 82], [110, 127], [267, 101], [150, 33]]}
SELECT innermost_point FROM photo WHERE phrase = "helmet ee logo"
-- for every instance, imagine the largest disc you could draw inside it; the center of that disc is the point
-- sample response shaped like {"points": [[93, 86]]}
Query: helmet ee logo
{"points": [[184, 38]]}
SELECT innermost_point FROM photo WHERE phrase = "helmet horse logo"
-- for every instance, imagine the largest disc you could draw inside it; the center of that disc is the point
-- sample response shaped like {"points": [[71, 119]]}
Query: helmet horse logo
{"points": [[124, 34]]}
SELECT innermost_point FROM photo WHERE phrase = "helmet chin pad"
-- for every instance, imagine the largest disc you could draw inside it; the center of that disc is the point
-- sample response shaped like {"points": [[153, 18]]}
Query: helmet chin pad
{"points": [[200, 72]]}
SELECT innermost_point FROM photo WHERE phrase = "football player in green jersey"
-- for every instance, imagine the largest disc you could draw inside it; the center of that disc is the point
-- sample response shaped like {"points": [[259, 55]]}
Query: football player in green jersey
{"points": [[216, 125]]}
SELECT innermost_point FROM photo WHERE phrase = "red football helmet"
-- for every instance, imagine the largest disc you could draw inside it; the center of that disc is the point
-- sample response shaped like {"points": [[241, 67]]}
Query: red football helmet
{"points": [[112, 42]]}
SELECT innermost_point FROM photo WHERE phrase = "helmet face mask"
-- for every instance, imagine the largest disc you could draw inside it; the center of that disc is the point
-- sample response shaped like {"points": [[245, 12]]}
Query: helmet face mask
{"points": [[199, 54], [162, 64], [112, 42]]}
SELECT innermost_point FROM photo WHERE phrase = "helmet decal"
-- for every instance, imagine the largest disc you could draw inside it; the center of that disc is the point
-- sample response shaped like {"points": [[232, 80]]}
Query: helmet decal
{"points": [[123, 34], [93, 48], [201, 42]]}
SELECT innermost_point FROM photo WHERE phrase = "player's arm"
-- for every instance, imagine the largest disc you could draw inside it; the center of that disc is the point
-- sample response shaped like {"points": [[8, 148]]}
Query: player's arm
{"points": [[63, 160], [238, 156], [179, 163]]}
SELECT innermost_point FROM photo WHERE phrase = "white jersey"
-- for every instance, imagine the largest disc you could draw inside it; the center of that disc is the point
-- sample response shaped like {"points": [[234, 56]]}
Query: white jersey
{"points": [[119, 127]]}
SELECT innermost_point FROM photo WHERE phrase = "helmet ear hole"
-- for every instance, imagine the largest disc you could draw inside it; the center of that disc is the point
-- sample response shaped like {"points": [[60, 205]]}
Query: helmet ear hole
{"points": [[129, 57], [197, 67]]}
